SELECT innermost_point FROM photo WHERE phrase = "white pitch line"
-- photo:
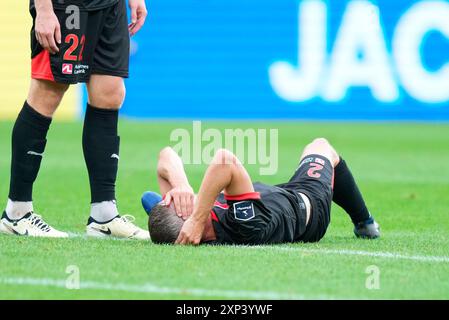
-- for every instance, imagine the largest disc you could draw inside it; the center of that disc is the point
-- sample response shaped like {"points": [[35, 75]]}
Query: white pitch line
{"points": [[151, 288], [376, 254], [348, 252]]}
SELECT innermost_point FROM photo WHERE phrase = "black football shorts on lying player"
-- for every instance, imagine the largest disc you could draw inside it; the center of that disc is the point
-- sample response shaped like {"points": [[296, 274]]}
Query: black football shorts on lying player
{"points": [[98, 44], [314, 178], [277, 214]]}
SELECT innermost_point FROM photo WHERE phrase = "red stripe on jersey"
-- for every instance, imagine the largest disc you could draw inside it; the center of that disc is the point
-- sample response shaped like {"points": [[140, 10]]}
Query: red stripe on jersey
{"points": [[244, 196], [41, 68], [213, 216], [221, 205]]}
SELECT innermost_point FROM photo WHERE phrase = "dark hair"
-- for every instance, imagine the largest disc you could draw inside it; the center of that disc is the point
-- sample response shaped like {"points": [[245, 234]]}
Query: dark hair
{"points": [[164, 225]]}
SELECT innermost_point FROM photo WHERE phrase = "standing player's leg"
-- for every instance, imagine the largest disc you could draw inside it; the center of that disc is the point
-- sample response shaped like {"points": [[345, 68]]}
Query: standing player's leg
{"points": [[101, 152], [60, 55], [101, 143], [28, 145], [106, 90]]}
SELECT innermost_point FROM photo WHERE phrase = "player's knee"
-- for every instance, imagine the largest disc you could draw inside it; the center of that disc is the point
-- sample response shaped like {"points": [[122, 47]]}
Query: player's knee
{"points": [[322, 142], [318, 144], [323, 147], [165, 152], [118, 96], [224, 157], [114, 97], [108, 96]]}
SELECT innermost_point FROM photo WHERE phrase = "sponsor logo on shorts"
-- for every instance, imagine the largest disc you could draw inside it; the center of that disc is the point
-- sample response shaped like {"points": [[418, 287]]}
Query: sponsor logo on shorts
{"points": [[67, 68], [81, 69], [244, 210], [320, 161], [305, 161]]}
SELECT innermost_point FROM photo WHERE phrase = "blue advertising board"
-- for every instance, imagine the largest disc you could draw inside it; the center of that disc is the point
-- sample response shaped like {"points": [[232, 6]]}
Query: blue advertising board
{"points": [[285, 59]]}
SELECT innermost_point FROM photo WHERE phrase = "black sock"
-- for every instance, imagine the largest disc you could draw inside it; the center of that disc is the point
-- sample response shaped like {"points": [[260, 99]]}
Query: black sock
{"points": [[347, 195], [28, 145], [101, 152]]}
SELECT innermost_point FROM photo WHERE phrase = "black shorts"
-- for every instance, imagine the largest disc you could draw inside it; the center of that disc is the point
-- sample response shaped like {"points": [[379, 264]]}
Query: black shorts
{"points": [[99, 44], [314, 178]]}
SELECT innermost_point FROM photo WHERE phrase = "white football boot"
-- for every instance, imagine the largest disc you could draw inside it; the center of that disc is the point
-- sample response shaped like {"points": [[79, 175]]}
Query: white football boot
{"points": [[30, 225], [119, 227]]}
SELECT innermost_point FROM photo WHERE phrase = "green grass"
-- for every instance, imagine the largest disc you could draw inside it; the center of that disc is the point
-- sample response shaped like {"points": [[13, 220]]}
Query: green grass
{"points": [[402, 169]]}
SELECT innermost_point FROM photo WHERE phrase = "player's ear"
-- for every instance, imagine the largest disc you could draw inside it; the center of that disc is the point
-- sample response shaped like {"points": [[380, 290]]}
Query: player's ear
{"points": [[167, 199]]}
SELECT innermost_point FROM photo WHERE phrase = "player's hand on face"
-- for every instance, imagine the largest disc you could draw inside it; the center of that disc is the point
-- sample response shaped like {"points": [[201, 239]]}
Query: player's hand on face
{"points": [[138, 15], [183, 199], [191, 232], [48, 30]]}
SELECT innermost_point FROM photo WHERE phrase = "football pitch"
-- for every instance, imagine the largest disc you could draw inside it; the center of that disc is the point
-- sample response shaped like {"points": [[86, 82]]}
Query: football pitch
{"points": [[402, 169]]}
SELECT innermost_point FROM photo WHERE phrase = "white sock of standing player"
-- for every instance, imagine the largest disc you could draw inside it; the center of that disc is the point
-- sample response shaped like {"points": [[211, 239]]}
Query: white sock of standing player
{"points": [[104, 211], [16, 210]]}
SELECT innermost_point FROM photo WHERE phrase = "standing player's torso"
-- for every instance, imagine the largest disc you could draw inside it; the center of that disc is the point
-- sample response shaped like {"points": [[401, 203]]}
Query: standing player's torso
{"points": [[82, 4], [285, 211]]}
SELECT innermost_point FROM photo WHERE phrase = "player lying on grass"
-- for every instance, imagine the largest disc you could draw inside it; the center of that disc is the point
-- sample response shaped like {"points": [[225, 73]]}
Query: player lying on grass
{"points": [[230, 209]]}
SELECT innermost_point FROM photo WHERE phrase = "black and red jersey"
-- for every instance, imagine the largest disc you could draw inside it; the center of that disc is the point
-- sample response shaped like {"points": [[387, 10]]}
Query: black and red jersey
{"points": [[268, 215], [88, 5]]}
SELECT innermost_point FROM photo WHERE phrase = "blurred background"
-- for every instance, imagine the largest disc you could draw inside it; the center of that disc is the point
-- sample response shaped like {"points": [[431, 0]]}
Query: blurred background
{"points": [[310, 59]]}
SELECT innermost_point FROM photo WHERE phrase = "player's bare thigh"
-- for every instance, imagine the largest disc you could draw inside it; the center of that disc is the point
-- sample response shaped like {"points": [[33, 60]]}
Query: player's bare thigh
{"points": [[45, 96], [322, 147]]}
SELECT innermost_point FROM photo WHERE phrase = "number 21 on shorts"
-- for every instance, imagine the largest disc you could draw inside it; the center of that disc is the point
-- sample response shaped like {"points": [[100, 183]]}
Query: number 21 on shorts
{"points": [[74, 43]]}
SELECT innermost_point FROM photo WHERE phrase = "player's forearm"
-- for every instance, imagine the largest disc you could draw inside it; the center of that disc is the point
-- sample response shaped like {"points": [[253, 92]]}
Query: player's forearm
{"points": [[216, 179], [43, 5], [171, 168]]}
